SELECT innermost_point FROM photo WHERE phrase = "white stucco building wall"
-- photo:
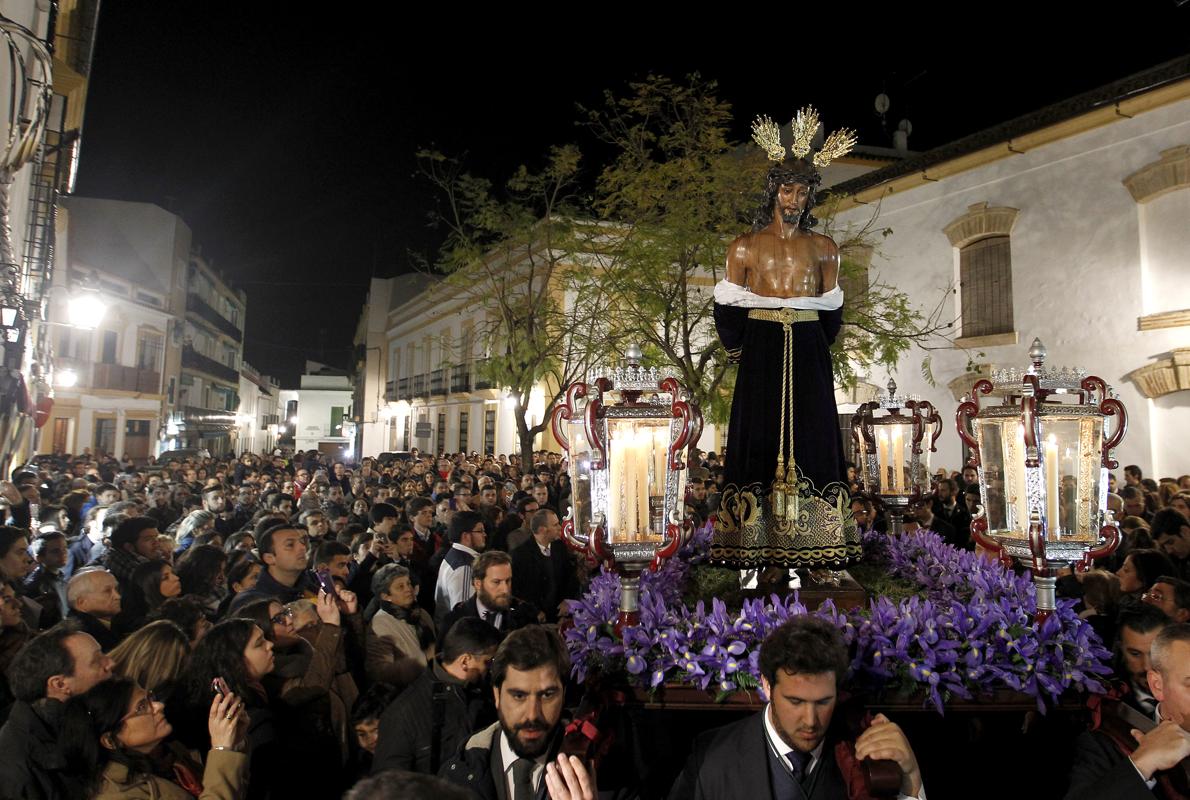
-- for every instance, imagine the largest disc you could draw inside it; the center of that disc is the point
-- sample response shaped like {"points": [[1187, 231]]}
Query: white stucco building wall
{"points": [[1089, 262]]}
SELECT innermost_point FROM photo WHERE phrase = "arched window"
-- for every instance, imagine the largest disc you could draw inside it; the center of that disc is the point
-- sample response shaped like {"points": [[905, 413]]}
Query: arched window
{"points": [[981, 238]]}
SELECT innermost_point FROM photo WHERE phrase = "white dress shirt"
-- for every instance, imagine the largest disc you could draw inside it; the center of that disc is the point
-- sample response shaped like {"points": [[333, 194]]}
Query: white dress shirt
{"points": [[779, 746]]}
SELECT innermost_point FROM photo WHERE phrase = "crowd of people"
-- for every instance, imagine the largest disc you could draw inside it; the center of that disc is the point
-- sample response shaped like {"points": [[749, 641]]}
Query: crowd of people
{"points": [[255, 626]]}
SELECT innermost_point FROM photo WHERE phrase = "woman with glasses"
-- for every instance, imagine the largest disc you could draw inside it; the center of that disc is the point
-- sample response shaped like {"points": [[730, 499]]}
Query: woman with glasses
{"points": [[310, 677], [115, 738]]}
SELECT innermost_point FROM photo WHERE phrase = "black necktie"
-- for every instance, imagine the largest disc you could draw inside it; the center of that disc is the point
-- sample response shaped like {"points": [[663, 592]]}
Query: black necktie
{"points": [[798, 761], [522, 779]]}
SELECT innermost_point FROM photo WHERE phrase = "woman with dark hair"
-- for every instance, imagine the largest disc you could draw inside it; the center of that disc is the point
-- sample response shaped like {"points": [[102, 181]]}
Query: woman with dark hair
{"points": [[241, 541], [15, 566], [13, 632], [359, 511], [114, 738], [241, 576], [189, 614], [151, 584], [237, 652], [202, 572], [309, 678], [1140, 570]]}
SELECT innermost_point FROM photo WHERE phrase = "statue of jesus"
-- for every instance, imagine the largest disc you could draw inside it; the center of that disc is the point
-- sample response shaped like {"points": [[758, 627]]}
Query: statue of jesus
{"points": [[777, 311]]}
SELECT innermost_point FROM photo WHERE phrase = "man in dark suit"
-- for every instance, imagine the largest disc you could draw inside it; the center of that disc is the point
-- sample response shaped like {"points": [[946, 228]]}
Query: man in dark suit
{"points": [[922, 513], [791, 750], [431, 719], [543, 572], [1130, 756], [518, 756], [491, 575]]}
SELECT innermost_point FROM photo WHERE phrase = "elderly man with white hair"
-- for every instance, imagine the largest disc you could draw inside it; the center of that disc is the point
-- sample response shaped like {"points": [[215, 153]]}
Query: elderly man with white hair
{"points": [[94, 599]]}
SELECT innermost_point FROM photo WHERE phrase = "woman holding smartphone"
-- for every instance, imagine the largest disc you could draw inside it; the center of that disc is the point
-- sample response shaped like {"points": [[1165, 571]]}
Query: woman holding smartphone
{"points": [[237, 653], [116, 737]]}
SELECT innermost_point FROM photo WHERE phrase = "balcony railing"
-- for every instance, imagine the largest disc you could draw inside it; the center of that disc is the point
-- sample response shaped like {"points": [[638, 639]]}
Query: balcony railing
{"points": [[421, 385], [390, 391], [482, 382], [460, 378], [196, 305], [405, 389], [113, 377], [192, 359], [438, 381], [119, 378]]}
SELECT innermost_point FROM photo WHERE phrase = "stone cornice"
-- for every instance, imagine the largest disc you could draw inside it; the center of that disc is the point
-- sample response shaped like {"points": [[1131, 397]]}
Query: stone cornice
{"points": [[980, 222], [1165, 375], [1165, 319], [1167, 174]]}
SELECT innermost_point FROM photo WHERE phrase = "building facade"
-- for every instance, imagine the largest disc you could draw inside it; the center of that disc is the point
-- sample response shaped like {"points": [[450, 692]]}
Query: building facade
{"points": [[212, 351], [116, 384], [1071, 225], [67, 31], [258, 417], [320, 412]]}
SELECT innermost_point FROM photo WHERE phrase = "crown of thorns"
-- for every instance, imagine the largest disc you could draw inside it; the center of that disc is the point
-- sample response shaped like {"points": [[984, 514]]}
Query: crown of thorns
{"points": [[767, 135]]}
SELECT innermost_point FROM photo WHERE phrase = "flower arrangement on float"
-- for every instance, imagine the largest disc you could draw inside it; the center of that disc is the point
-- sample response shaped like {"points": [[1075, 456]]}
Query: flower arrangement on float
{"points": [[965, 629]]}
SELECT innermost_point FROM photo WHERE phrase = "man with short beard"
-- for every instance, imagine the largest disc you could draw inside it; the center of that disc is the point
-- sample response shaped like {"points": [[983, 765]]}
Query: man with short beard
{"points": [[520, 751], [162, 510], [491, 577]]}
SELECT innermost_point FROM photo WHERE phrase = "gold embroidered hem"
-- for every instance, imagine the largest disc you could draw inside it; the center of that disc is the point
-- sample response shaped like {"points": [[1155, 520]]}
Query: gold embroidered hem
{"points": [[748, 534]]}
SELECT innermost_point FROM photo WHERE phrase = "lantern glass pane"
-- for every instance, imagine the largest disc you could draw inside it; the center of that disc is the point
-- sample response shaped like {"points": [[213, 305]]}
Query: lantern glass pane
{"points": [[637, 472], [580, 476], [1071, 458], [894, 454], [1002, 453]]}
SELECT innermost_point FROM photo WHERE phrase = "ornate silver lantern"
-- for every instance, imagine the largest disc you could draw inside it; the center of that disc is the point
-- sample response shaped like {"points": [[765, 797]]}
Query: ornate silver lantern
{"points": [[627, 434], [1042, 458], [893, 456]]}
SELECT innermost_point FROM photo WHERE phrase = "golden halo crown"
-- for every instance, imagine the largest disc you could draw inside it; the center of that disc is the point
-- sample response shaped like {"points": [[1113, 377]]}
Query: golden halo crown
{"points": [[767, 136]]}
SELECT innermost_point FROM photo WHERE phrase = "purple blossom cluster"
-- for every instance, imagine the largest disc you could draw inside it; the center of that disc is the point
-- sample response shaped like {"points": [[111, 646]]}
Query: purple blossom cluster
{"points": [[968, 632]]}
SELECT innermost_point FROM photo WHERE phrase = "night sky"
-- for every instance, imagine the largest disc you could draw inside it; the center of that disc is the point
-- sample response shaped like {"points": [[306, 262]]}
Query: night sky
{"points": [[286, 140]]}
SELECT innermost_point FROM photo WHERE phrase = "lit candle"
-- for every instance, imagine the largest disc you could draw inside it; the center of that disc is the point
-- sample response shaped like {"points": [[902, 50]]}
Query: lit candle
{"points": [[898, 454], [644, 460], [661, 459], [1051, 487], [882, 459], [615, 484]]}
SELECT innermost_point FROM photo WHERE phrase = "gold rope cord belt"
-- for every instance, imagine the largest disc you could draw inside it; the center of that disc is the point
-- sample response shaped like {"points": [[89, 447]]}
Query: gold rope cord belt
{"points": [[785, 484], [786, 316]]}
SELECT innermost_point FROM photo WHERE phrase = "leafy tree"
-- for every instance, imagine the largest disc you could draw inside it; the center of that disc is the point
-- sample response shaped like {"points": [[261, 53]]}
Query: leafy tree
{"points": [[675, 193], [672, 196], [513, 254]]}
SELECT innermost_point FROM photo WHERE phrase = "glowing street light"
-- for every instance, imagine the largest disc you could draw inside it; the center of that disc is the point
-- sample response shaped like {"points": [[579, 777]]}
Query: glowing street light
{"points": [[86, 310]]}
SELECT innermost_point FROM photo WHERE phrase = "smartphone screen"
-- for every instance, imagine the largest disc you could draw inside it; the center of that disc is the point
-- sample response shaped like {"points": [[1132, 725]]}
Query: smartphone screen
{"points": [[327, 582]]}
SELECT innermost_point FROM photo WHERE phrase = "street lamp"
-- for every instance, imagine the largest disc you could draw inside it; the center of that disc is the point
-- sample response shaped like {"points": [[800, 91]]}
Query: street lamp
{"points": [[894, 463], [627, 436], [1042, 458], [67, 378], [85, 309]]}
